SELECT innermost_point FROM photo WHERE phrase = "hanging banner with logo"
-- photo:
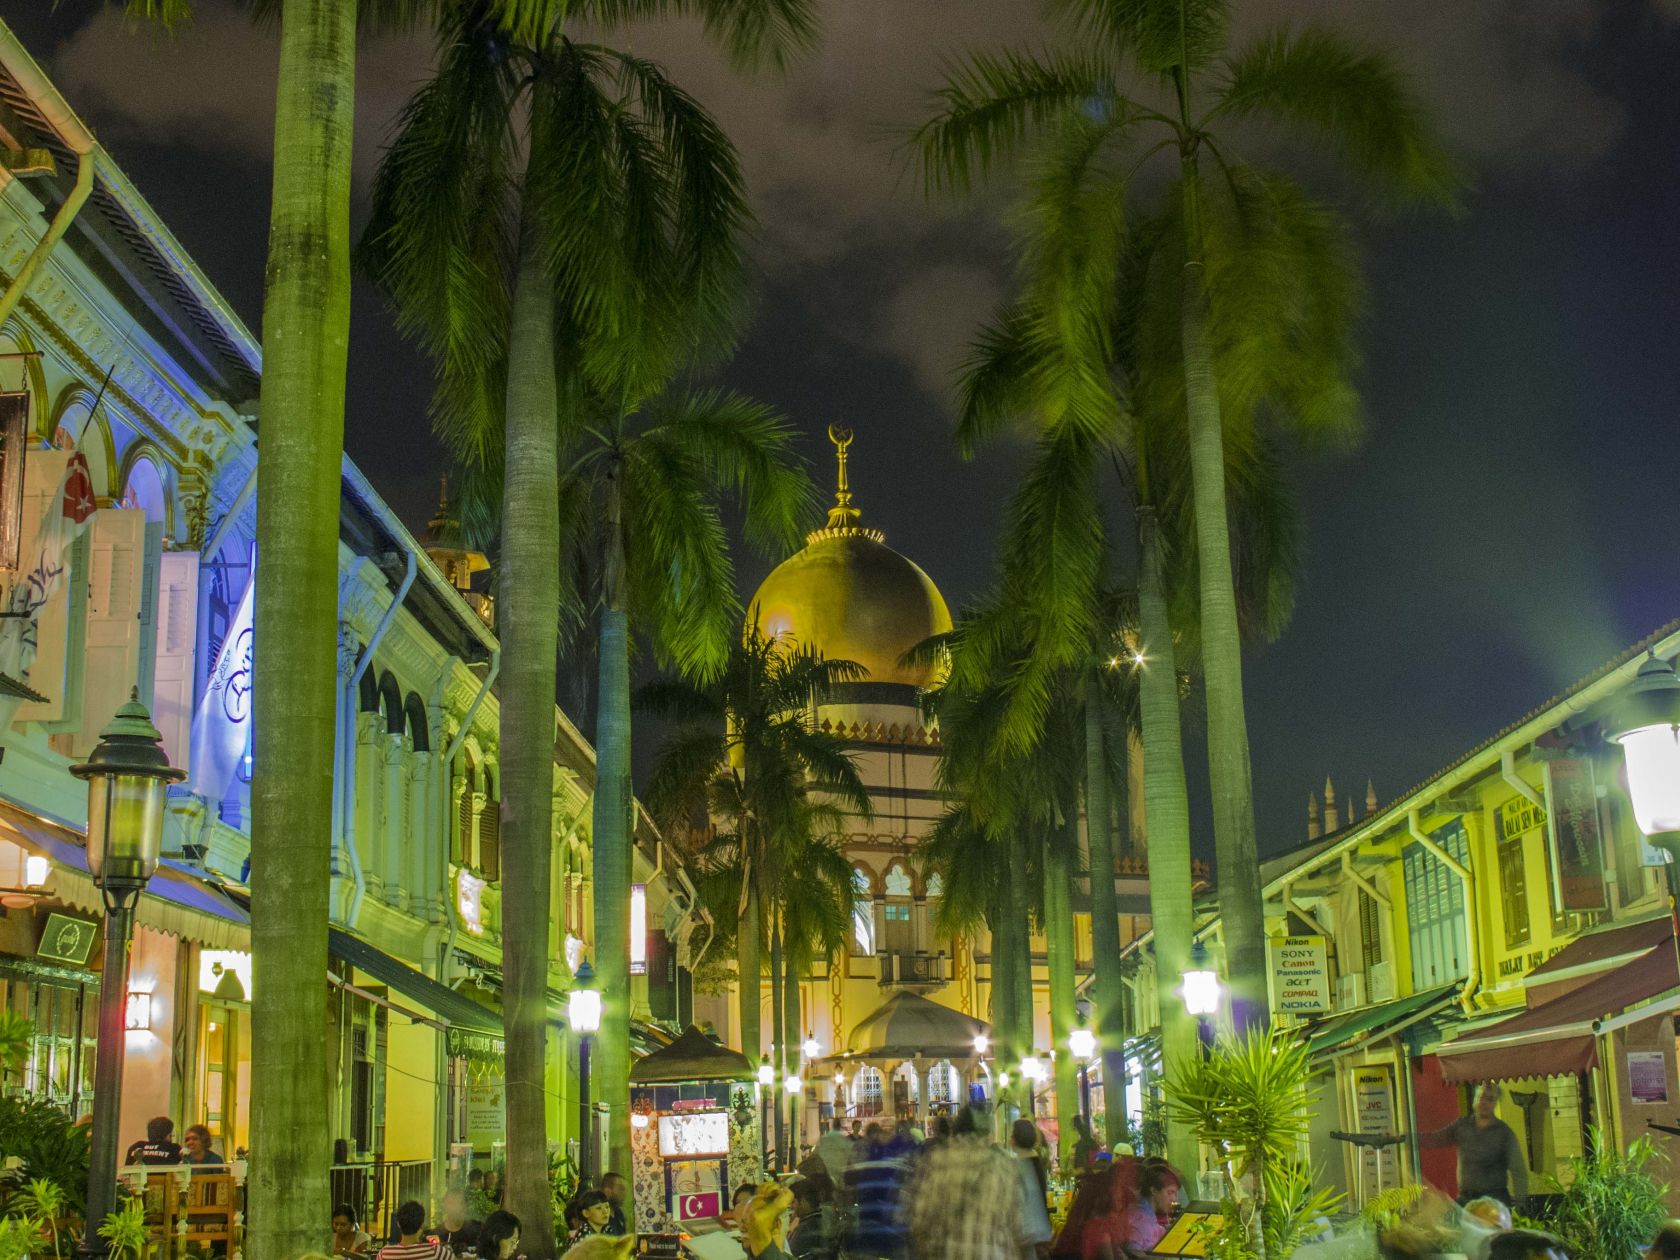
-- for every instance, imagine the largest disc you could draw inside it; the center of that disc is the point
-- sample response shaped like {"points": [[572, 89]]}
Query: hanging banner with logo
{"points": [[1300, 975], [221, 728], [1572, 818]]}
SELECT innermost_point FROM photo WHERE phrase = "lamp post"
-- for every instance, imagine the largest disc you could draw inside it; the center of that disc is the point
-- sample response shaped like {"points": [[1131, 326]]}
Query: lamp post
{"points": [[1032, 1072], [583, 1012], [127, 774], [1646, 723], [1082, 1042], [766, 1087], [1201, 990]]}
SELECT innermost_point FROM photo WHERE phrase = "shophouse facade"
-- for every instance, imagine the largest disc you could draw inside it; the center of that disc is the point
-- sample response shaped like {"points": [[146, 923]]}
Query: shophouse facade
{"points": [[119, 352], [1504, 921]]}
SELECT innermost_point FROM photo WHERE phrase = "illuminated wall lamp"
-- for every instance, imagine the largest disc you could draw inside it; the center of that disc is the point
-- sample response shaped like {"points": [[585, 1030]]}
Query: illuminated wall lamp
{"points": [[137, 1014]]}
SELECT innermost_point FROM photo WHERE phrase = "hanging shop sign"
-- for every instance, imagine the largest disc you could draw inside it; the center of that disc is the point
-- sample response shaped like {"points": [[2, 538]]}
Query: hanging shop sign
{"points": [[1572, 817], [1300, 975], [67, 940], [1373, 1101]]}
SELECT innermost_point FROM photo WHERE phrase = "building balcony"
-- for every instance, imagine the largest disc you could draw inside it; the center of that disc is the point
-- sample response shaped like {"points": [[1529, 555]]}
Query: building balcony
{"points": [[915, 970]]}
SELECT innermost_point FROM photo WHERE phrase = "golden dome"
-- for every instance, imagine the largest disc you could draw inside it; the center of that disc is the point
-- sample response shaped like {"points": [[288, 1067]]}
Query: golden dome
{"points": [[851, 596]]}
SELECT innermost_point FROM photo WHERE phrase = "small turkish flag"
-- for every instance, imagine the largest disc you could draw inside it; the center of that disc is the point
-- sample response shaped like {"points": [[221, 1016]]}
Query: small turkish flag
{"points": [[79, 502]]}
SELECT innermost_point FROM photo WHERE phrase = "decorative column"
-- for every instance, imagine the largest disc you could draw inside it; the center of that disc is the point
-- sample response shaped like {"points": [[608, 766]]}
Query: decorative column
{"points": [[364, 805], [394, 817], [420, 848]]}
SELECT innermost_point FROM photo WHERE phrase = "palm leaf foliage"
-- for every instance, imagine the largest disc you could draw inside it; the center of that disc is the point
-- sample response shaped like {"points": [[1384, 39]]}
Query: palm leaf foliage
{"points": [[1250, 1099], [1153, 77], [771, 794], [559, 225]]}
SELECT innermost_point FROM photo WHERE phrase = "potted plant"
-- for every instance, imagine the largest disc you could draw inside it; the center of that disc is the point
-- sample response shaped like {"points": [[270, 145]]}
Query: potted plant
{"points": [[1249, 1101], [1609, 1203]]}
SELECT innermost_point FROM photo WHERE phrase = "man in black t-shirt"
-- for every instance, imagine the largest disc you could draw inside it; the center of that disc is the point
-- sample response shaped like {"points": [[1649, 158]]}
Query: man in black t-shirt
{"points": [[159, 1146], [456, 1230]]}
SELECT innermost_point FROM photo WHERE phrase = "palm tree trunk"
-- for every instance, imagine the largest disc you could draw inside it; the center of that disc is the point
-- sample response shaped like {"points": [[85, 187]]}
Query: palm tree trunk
{"points": [[777, 1037], [529, 610], [613, 833], [1230, 773], [1059, 853], [1021, 907], [1166, 809], [1105, 913], [306, 333], [748, 964], [1002, 925]]}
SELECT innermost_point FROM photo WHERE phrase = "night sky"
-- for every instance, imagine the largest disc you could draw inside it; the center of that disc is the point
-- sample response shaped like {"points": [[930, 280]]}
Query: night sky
{"points": [[1511, 520]]}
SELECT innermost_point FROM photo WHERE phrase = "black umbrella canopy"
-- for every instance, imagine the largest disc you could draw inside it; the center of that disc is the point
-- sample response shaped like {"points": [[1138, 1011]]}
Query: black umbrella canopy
{"points": [[692, 1057]]}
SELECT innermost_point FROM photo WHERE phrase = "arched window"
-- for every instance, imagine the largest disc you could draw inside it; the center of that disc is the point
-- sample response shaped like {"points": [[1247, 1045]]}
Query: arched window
{"points": [[942, 1084], [391, 701], [869, 1091], [144, 491], [896, 912], [368, 689], [935, 886], [863, 914], [419, 727]]}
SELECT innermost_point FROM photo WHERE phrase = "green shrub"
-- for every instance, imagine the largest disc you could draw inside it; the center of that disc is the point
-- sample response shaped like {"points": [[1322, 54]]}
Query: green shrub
{"points": [[50, 1146], [1610, 1204]]}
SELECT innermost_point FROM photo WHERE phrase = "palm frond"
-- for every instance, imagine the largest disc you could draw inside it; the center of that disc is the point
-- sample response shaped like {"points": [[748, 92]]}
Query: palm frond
{"points": [[747, 451], [1162, 35], [1355, 100], [752, 32], [991, 103]]}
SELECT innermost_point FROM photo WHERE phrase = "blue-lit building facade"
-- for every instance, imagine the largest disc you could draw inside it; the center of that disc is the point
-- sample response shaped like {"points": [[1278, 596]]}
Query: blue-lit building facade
{"points": [[117, 350]]}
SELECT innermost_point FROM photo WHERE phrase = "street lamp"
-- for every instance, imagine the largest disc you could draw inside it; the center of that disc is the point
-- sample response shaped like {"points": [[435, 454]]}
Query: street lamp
{"points": [[1201, 984], [127, 774], [1646, 724], [811, 1048], [1083, 1043], [583, 1013], [982, 1044], [766, 1084]]}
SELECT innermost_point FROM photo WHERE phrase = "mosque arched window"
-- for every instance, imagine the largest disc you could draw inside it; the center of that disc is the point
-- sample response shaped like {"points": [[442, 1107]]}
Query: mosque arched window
{"points": [[935, 886], [942, 1084], [863, 914], [898, 911], [869, 1091]]}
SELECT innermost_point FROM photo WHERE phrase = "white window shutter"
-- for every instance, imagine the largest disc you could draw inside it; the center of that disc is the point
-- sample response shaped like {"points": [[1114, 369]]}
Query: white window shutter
{"points": [[176, 632], [43, 470], [116, 564]]}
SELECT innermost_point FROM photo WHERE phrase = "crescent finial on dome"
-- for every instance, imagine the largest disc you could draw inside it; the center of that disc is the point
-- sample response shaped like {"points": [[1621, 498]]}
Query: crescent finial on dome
{"points": [[842, 517]]}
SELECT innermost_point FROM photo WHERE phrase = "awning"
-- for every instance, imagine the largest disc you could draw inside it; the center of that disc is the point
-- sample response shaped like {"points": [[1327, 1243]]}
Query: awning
{"points": [[1558, 1038], [692, 1057], [177, 900], [1589, 955], [909, 1025], [1371, 1022], [473, 1029]]}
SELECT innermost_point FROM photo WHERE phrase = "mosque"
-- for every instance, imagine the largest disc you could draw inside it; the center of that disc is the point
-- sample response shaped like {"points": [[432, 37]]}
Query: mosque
{"points": [[894, 1018]]}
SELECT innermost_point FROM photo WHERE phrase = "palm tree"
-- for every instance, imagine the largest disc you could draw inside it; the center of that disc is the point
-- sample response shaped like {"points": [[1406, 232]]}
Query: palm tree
{"points": [[1073, 102], [305, 334], [746, 756], [587, 272]]}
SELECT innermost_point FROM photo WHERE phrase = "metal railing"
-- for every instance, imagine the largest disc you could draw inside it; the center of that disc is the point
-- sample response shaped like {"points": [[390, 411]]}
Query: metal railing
{"points": [[375, 1189], [915, 969]]}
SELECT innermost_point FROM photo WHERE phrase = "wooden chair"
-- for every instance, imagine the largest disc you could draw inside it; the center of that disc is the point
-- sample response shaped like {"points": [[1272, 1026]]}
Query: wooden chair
{"points": [[211, 1208]]}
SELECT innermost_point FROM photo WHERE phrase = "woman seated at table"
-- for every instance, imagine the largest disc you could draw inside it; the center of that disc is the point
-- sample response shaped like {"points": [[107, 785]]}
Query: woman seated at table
{"points": [[349, 1238], [200, 1148]]}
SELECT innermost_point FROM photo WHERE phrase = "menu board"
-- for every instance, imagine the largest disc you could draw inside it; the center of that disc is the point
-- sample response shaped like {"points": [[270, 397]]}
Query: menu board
{"points": [[694, 1133]]}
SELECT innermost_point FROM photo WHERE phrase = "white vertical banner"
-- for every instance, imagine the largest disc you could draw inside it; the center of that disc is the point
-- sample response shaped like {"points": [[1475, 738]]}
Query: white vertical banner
{"points": [[42, 568], [221, 727]]}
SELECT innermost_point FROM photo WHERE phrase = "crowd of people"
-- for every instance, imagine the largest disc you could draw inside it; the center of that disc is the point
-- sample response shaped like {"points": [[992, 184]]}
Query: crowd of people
{"points": [[889, 1192]]}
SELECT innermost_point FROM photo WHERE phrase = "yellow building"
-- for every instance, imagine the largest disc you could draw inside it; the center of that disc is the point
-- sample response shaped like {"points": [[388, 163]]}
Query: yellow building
{"points": [[849, 595], [1504, 921]]}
